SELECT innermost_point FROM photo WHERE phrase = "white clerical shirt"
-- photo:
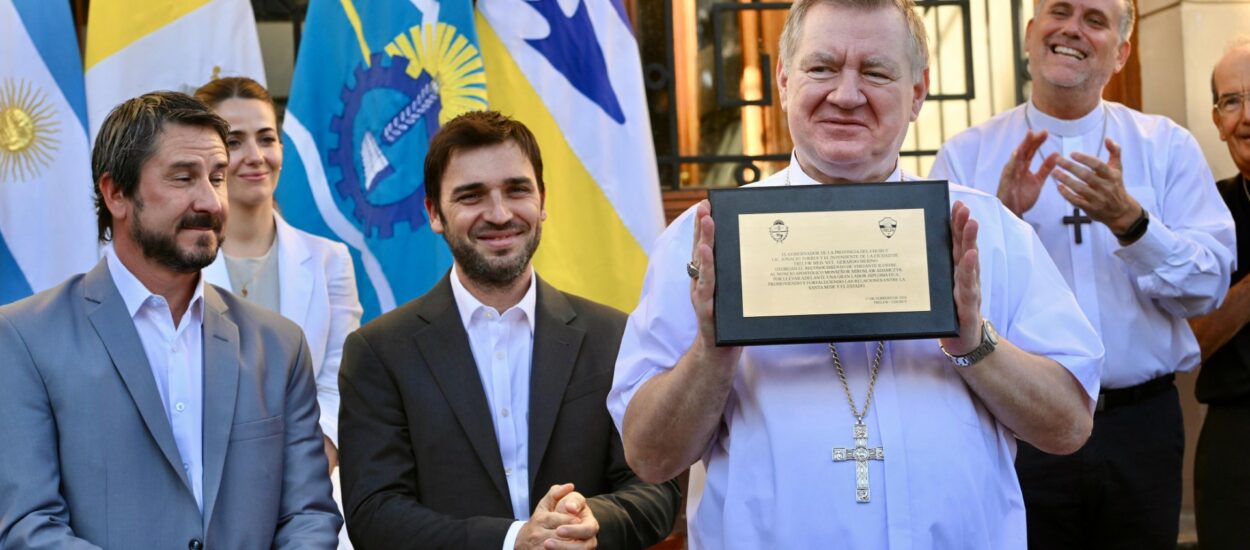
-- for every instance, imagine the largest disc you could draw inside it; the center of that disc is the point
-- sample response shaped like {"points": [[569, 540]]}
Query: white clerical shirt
{"points": [[502, 345], [948, 479], [176, 356], [1138, 296]]}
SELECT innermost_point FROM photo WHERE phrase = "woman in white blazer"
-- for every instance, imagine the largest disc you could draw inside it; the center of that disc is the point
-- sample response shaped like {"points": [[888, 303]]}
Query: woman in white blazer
{"points": [[308, 279]]}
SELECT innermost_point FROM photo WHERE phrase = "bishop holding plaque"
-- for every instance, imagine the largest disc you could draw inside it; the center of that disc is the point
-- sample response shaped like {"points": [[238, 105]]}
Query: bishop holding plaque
{"points": [[879, 444]]}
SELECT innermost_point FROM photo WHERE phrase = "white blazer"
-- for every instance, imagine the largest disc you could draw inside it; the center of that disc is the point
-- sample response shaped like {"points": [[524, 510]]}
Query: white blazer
{"points": [[317, 290]]}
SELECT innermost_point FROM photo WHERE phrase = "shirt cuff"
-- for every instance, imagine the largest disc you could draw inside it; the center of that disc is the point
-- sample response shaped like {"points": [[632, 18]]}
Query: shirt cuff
{"points": [[329, 429], [1150, 251], [509, 542]]}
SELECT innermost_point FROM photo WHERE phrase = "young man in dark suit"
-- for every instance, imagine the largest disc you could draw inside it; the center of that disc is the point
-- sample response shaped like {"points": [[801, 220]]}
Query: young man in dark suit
{"points": [[474, 416]]}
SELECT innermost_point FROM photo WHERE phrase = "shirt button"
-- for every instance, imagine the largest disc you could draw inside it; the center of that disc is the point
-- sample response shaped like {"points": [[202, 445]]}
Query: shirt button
{"points": [[499, 355], [504, 412], [180, 407], [186, 466], [490, 315], [507, 471]]}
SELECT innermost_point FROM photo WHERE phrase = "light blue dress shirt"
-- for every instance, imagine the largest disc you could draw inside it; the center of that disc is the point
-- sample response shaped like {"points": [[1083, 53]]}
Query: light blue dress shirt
{"points": [[1139, 296], [176, 356], [948, 480]]}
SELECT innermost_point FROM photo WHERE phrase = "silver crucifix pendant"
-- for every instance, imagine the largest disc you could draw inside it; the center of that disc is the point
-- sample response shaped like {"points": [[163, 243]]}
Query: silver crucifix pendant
{"points": [[861, 454]]}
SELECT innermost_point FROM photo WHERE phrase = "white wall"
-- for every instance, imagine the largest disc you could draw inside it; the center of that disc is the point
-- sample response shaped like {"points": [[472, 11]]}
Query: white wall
{"points": [[1179, 43]]}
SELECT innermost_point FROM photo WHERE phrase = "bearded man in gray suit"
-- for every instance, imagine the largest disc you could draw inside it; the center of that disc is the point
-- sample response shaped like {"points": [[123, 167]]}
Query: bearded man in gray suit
{"points": [[141, 407]]}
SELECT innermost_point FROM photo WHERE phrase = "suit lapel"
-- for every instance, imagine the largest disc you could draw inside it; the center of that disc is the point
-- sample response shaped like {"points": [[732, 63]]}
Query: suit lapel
{"points": [[445, 347], [221, 385], [295, 292], [216, 272], [556, 344], [112, 322]]}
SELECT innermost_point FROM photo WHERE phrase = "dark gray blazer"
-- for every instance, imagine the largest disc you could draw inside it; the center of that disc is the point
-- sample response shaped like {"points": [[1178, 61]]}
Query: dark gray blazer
{"points": [[90, 459], [421, 467]]}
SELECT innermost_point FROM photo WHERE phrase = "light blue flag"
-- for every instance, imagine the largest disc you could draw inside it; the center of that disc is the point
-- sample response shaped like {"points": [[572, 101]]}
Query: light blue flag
{"points": [[373, 81], [47, 221]]}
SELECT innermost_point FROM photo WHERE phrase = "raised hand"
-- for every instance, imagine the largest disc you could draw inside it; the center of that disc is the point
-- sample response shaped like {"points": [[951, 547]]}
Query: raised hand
{"points": [[1019, 187], [967, 281], [1097, 187], [703, 287]]}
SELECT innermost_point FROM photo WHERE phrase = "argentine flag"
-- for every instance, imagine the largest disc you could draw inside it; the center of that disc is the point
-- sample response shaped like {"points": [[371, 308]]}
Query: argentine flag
{"points": [[571, 71], [373, 81], [47, 221]]}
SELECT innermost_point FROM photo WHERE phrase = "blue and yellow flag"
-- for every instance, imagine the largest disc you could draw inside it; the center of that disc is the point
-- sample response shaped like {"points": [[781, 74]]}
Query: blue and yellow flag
{"points": [[373, 81], [137, 47], [571, 71], [47, 221]]}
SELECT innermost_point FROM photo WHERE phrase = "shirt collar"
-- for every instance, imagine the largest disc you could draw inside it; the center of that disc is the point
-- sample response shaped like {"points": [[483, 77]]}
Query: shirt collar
{"points": [[799, 177], [469, 304], [135, 294], [1092, 121]]}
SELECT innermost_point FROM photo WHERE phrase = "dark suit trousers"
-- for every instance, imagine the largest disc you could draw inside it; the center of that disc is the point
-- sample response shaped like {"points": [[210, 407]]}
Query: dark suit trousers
{"points": [[1121, 490], [1222, 477]]}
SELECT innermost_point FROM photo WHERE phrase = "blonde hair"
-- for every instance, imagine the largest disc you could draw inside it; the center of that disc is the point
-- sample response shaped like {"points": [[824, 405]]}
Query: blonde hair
{"points": [[917, 37]]}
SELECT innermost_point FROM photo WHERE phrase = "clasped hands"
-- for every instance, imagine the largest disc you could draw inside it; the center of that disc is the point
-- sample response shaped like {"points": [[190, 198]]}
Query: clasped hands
{"points": [[1086, 182], [561, 521]]}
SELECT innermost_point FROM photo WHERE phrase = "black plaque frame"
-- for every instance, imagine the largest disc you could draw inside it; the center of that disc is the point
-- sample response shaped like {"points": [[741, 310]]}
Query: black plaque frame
{"points": [[734, 329]]}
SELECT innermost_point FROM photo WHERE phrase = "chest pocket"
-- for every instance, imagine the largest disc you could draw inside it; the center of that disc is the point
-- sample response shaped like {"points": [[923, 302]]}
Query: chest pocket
{"points": [[258, 429]]}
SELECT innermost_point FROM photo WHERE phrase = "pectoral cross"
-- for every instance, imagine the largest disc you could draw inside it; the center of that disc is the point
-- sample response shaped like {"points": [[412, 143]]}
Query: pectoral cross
{"points": [[1075, 220], [861, 454]]}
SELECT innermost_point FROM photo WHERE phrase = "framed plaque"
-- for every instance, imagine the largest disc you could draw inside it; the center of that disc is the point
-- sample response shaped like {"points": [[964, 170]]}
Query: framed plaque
{"points": [[833, 263]]}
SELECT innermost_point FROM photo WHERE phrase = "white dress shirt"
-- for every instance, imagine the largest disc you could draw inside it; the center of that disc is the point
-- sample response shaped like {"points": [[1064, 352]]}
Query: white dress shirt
{"points": [[503, 345], [948, 479], [176, 356], [1139, 296]]}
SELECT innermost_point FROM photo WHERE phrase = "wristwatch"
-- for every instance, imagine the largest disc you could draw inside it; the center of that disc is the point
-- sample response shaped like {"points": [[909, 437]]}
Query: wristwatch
{"points": [[989, 341], [1135, 230]]}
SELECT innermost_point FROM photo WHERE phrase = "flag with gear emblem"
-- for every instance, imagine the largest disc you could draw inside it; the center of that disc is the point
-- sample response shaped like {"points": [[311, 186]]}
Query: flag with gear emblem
{"points": [[374, 80]]}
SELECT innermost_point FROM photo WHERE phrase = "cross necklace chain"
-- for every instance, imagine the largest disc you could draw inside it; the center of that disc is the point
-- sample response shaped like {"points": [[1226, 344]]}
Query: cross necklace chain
{"points": [[1077, 218], [861, 453]]}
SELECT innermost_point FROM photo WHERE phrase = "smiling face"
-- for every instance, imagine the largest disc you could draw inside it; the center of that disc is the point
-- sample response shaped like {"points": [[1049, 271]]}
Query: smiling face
{"points": [[491, 213], [1231, 77], [255, 151], [1074, 47], [849, 94]]}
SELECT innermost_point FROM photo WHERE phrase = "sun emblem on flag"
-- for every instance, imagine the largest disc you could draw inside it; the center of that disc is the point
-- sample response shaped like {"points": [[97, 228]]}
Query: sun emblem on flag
{"points": [[433, 74], [27, 130]]}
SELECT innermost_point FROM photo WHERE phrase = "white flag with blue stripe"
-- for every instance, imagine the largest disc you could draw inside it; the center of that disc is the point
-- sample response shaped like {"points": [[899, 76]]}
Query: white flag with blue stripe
{"points": [[47, 220]]}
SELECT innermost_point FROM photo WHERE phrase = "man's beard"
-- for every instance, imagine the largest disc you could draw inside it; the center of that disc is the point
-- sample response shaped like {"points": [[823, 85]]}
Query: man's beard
{"points": [[494, 274], [163, 248]]}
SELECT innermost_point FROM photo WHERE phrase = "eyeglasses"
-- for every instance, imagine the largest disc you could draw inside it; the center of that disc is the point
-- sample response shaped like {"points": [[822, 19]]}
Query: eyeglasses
{"points": [[1231, 104]]}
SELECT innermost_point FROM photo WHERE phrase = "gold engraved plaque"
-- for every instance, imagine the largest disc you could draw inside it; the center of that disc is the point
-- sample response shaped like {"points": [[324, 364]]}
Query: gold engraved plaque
{"points": [[820, 263]]}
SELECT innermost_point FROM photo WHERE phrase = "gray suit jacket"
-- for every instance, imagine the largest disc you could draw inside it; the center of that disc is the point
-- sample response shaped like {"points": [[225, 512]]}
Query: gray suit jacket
{"points": [[90, 459]]}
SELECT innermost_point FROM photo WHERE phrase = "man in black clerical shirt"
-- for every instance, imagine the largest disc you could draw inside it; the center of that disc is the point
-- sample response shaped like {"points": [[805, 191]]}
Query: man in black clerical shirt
{"points": [[1222, 480]]}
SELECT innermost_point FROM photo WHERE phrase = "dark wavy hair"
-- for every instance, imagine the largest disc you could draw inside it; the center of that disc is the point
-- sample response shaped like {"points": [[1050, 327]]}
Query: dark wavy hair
{"points": [[473, 130], [130, 135]]}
